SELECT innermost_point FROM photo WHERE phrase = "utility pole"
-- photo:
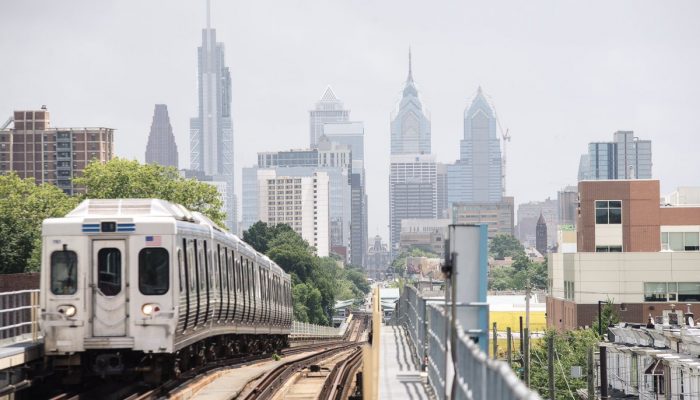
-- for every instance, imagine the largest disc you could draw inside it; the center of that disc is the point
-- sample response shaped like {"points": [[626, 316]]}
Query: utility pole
{"points": [[526, 358], [528, 293], [550, 365]]}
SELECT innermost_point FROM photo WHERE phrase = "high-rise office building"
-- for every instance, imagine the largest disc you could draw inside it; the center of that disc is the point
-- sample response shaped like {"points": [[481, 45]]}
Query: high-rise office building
{"points": [[161, 148], [410, 125], [528, 216], [567, 199], [412, 191], [442, 204], [476, 176], [328, 109], [300, 202], [211, 132], [626, 157], [33, 149], [413, 181]]}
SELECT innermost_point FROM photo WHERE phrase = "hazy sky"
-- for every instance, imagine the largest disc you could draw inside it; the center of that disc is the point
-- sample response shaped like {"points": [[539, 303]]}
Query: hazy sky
{"points": [[561, 74]]}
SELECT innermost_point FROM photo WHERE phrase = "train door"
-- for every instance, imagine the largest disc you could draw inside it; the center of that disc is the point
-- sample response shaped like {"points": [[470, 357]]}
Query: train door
{"points": [[109, 266]]}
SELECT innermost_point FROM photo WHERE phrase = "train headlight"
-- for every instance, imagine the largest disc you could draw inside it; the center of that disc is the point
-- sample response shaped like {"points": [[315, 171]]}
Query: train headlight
{"points": [[149, 309], [67, 310]]}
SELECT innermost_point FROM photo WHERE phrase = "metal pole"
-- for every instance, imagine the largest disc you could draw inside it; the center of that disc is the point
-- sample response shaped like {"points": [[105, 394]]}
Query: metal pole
{"points": [[526, 358], [509, 351], [603, 373], [521, 334], [495, 342], [591, 389], [550, 364], [600, 322]]}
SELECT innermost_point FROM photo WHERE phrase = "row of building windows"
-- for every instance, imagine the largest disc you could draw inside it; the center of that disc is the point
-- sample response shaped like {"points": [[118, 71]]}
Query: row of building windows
{"points": [[680, 241], [671, 291]]}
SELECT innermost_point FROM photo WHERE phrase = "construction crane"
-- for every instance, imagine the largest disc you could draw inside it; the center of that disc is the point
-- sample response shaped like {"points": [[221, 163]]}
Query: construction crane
{"points": [[506, 138]]}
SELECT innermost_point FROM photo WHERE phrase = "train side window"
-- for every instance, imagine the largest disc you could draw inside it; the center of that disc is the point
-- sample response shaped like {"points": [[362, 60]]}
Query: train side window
{"points": [[154, 271], [109, 271], [192, 266], [64, 272]]}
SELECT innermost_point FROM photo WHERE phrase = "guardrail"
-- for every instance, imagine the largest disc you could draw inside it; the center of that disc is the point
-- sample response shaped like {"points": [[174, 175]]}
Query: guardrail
{"points": [[475, 376], [304, 330], [19, 313]]}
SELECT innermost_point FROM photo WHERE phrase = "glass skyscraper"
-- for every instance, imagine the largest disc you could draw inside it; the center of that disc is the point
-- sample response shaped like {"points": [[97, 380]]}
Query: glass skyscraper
{"points": [[626, 157], [410, 125], [211, 132], [477, 176]]}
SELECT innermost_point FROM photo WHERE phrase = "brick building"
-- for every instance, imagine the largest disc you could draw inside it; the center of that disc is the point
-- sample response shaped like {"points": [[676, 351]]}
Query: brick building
{"points": [[631, 250], [33, 149]]}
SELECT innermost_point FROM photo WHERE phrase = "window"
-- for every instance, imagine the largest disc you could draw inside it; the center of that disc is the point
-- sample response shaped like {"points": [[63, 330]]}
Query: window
{"points": [[109, 271], [608, 212], [154, 271], [671, 291], [64, 272], [608, 249], [680, 241]]}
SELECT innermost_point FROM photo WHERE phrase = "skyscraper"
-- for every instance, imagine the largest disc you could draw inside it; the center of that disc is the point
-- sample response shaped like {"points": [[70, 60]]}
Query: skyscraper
{"points": [[410, 125], [626, 157], [161, 148], [476, 176], [328, 109], [413, 181], [211, 132]]}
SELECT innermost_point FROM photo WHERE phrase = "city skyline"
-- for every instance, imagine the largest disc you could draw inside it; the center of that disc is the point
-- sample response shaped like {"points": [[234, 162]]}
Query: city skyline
{"points": [[633, 73]]}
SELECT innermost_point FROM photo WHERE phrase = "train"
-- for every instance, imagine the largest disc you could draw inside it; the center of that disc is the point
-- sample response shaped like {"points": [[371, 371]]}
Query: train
{"points": [[147, 286]]}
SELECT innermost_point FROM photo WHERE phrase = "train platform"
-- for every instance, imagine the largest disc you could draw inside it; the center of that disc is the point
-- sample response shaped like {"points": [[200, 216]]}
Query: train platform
{"points": [[20, 353], [399, 376]]}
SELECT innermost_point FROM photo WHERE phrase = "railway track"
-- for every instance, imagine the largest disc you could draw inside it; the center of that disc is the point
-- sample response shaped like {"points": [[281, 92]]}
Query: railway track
{"points": [[336, 385]]}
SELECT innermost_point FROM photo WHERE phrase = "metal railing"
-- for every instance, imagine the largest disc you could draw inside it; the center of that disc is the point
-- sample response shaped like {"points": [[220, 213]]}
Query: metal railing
{"points": [[475, 376], [19, 312], [304, 330]]}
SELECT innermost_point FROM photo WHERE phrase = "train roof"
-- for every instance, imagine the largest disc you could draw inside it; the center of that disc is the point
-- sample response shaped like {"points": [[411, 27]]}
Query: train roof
{"points": [[131, 208]]}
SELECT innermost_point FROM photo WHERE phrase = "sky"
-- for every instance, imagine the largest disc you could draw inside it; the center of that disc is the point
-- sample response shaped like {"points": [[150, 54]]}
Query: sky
{"points": [[560, 73]]}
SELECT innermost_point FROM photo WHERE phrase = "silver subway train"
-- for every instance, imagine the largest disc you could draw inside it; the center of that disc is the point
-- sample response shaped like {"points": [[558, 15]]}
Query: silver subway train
{"points": [[145, 285]]}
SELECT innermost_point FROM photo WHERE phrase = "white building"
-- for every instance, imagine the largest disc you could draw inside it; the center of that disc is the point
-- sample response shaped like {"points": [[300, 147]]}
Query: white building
{"points": [[300, 202]]}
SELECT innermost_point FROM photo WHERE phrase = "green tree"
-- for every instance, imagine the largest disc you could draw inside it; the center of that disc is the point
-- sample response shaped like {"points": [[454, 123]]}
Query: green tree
{"points": [[23, 207], [260, 234], [307, 304], [123, 179], [570, 349], [516, 276], [608, 315], [503, 245]]}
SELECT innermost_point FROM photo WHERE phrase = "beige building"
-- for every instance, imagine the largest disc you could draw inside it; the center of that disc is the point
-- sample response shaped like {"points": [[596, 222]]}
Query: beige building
{"points": [[631, 250], [498, 216], [33, 149], [425, 234], [300, 202]]}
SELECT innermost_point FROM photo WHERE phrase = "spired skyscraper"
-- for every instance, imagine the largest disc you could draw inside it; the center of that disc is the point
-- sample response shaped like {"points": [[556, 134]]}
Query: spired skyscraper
{"points": [[161, 148], [476, 177], [211, 132], [413, 178], [410, 126]]}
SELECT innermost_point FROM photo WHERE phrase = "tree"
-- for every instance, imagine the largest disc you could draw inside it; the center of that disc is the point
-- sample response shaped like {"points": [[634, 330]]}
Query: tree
{"points": [[608, 315], [503, 245], [516, 276], [23, 207], [260, 234], [570, 349], [128, 179]]}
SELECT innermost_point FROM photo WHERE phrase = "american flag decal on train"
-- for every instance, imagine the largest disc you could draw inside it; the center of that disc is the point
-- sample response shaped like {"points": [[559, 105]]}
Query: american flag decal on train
{"points": [[152, 240]]}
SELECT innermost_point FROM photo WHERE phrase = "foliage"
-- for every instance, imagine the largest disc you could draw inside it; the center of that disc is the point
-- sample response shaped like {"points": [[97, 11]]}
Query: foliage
{"points": [[608, 315], [124, 179], [504, 245], [317, 282], [515, 276], [399, 263], [570, 349], [23, 207]]}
